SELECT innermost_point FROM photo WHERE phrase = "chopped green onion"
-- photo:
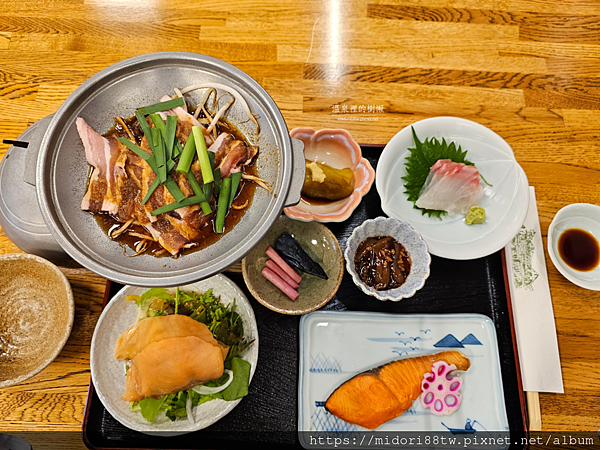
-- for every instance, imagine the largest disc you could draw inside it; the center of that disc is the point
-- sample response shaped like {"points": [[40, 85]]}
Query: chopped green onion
{"points": [[162, 106], [156, 182], [170, 135], [198, 192], [176, 299], [176, 205], [170, 165], [187, 155], [177, 150], [223, 204], [211, 157], [195, 185], [140, 152], [207, 189], [153, 187], [235, 182], [217, 174], [203, 159], [146, 129], [159, 154], [173, 188], [159, 123]]}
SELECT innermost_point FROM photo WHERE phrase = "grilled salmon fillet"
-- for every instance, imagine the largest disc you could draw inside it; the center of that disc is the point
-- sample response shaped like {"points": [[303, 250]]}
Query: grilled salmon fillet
{"points": [[373, 397]]}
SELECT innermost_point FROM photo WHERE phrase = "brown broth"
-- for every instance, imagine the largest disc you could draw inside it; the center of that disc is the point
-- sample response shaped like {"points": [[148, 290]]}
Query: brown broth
{"points": [[579, 249], [207, 235]]}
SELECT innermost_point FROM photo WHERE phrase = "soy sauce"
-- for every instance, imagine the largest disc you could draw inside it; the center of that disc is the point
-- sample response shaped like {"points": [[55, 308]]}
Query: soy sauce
{"points": [[579, 249]]}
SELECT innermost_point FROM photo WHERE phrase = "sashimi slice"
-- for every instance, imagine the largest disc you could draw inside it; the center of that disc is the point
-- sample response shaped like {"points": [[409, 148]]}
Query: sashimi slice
{"points": [[154, 329], [451, 187], [172, 365], [373, 397]]}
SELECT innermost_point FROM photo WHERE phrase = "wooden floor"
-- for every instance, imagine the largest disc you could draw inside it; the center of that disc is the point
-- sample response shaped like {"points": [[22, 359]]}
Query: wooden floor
{"points": [[527, 69]]}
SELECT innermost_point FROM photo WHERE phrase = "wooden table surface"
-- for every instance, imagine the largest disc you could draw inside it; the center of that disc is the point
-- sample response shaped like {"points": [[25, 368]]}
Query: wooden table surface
{"points": [[524, 68]]}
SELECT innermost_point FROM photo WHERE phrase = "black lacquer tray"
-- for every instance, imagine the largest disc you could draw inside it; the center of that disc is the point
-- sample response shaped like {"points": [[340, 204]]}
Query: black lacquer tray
{"points": [[268, 416]]}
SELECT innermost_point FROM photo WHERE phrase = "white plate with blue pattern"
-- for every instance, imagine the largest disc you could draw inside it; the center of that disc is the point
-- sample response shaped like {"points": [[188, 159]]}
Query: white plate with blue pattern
{"points": [[335, 346]]}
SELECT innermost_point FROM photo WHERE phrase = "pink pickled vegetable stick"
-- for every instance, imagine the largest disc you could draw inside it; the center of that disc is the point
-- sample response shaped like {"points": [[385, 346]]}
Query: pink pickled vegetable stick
{"points": [[271, 253], [440, 392], [282, 285], [284, 276]]}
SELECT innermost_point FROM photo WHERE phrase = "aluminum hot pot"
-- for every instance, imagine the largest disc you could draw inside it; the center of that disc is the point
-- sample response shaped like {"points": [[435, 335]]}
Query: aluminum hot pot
{"points": [[62, 169]]}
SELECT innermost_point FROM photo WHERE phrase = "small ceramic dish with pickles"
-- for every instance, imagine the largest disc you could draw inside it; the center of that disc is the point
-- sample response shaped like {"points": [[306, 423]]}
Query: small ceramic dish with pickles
{"points": [[321, 246], [336, 169]]}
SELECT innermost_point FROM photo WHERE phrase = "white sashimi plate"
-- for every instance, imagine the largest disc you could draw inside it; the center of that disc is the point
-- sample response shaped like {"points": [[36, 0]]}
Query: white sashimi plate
{"points": [[336, 346], [108, 374], [506, 201]]}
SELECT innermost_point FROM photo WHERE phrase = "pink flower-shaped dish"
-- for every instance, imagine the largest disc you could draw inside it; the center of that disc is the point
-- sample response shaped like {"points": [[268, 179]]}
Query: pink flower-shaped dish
{"points": [[337, 149]]}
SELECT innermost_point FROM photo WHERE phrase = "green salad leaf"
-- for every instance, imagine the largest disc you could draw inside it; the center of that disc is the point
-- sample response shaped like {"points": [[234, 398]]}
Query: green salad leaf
{"points": [[150, 407], [226, 326], [241, 379], [174, 405], [418, 165]]}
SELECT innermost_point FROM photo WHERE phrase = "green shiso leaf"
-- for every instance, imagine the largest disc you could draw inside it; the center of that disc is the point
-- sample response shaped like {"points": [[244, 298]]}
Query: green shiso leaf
{"points": [[418, 164]]}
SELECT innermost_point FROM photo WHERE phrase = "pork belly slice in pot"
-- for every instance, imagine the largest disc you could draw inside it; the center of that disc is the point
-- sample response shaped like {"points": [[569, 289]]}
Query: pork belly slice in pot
{"points": [[231, 154], [237, 155], [119, 182], [105, 156], [220, 147]]}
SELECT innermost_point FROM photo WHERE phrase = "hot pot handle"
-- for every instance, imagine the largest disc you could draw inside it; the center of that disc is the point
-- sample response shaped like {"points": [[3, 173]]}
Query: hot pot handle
{"points": [[298, 171], [33, 149]]}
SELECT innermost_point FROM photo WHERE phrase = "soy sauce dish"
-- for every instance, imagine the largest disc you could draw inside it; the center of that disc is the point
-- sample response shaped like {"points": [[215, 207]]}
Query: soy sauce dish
{"points": [[387, 259], [573, 244]]}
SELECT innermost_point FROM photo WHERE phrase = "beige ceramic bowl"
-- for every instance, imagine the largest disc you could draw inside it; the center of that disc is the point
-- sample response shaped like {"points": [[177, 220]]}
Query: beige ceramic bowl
{"points": [[320, 244], [36, 315], [337, 149]]}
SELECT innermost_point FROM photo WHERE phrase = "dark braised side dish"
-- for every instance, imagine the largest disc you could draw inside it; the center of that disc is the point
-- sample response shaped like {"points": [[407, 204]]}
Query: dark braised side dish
{"points": [[382, 262]]}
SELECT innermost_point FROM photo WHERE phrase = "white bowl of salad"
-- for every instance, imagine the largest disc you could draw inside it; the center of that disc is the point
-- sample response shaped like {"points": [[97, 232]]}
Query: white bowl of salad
{"points": [[172, 361]]}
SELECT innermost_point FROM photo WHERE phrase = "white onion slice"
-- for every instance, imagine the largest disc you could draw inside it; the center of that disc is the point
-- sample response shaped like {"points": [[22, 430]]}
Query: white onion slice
{"points": [[205, 390], [190, 413]]}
